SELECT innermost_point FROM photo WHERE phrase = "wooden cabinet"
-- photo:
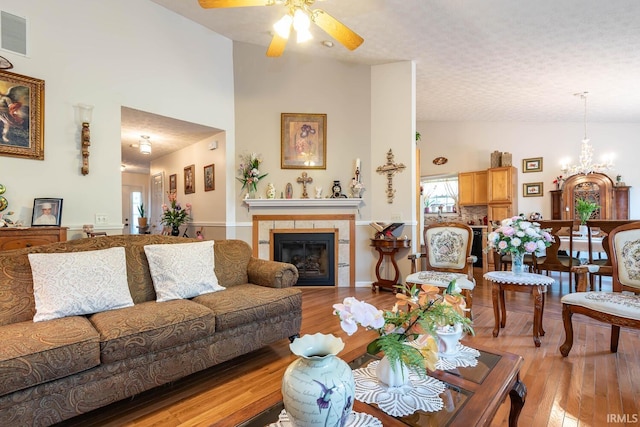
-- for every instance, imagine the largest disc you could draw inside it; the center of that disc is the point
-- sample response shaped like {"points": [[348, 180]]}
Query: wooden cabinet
{"points": [[502, 186], [472, 188], [18, 238]]}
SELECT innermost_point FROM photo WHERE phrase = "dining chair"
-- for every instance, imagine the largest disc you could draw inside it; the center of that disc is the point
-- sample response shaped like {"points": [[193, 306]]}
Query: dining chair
{"points": [[621, 307], [601, 229], [446, 256], [554, 259]]}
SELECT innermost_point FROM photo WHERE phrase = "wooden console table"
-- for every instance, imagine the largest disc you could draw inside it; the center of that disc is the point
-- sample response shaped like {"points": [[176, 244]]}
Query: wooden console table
{"points": [[388, 248], [18, 238]]}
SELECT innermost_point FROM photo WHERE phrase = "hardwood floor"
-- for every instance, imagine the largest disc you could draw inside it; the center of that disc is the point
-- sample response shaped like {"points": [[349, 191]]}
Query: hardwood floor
{"points": [[591, 387]]}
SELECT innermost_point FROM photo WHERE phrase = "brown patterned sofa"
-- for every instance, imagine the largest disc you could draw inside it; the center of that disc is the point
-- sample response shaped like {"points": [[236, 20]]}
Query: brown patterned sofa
{"points": [[56, 369]]}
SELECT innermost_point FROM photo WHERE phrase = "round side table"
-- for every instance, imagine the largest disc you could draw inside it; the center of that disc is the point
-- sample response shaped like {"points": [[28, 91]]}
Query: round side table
{"points": [[531, 283]]}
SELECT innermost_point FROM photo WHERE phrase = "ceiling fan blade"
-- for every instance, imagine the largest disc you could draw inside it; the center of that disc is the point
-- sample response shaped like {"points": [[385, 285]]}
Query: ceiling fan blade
{"points": [[234, 3], [336, 29], [277, 46]]}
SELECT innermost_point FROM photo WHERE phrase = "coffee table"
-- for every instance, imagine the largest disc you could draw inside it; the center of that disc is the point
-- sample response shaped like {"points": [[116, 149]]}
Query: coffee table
{"points": [[472, 397]]}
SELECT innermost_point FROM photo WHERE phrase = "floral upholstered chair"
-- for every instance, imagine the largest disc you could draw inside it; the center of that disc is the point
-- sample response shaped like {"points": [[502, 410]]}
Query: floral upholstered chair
{"points": [[447, 256], [620, 307]]}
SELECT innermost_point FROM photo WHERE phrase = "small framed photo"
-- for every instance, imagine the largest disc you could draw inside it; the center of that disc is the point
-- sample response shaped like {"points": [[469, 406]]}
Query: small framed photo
{"points": [[533, 189], [22, 99], [173, 183], [46, 212], [209, 178], [532, 165], [303, 141], [190, 179]]}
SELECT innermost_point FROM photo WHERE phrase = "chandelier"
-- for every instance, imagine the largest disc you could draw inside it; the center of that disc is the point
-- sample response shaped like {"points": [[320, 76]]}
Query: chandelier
{"points": [[586, 165]]}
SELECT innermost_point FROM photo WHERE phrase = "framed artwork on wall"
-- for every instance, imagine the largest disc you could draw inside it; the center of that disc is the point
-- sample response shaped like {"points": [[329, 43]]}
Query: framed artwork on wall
{"points": [[46, 212], [303, 141], [22, 103], [190, 179], [173, 183], [532, 165], [209, 178], [532, 189]]}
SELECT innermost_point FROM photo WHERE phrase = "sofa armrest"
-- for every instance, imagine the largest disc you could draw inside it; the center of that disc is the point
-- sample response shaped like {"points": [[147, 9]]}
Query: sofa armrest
{"points": [[272, 274]]}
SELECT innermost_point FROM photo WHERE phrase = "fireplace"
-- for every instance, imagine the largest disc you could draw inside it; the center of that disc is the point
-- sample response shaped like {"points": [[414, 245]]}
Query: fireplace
{"points": [[313, 252]]}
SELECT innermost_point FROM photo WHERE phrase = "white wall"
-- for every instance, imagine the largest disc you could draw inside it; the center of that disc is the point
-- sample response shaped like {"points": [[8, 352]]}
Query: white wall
{"points": [[110, 54], [468, 146]]}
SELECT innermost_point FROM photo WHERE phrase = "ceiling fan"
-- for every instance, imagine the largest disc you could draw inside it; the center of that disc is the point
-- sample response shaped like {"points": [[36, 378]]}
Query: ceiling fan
{"points": [[299, 16]]}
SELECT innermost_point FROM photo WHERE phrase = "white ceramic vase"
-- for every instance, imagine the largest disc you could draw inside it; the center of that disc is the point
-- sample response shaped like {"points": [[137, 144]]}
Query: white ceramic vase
{"points": [[448, 339], [318, 388], [392, 376]]}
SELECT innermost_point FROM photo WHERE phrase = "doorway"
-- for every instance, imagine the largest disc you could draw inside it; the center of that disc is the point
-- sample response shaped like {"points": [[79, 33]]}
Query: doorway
{"points": [[132, 197]]}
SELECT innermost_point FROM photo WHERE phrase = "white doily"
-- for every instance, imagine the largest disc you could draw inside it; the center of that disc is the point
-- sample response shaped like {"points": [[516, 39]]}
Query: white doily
{"points": [[357, 419], [519, 279], [464, 357], [418, 394]]}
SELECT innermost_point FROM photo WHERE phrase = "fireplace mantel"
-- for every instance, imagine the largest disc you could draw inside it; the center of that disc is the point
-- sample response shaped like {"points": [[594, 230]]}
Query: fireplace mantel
{"points": [[305, 203]]}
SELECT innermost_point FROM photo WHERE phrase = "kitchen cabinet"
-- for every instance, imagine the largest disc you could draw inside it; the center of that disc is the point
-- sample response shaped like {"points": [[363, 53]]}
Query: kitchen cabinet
{"points": [[472, 188], [502, 193]]}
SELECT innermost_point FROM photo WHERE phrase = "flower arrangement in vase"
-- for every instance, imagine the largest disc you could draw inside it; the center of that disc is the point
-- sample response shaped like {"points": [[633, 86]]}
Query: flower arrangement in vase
{"points": [[517, 236], [173, 215], [407, 331], [249, 171], [585, 208]]}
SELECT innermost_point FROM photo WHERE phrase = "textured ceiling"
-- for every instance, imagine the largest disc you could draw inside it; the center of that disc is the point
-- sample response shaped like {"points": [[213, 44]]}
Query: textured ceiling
{"points": [[479, 60], [476, 60]]}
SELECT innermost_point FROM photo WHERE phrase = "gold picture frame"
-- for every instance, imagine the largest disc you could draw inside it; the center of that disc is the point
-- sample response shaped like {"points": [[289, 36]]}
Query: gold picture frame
{"points": [[532, 189], [22, 120], [190, 179], [209, 178], [303, 141], [532, 165]]}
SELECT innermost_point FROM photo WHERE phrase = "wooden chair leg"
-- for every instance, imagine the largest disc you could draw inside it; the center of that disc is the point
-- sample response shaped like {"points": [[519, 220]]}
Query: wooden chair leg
{"points": [[469, 301], [565, 348], [615, 336]]}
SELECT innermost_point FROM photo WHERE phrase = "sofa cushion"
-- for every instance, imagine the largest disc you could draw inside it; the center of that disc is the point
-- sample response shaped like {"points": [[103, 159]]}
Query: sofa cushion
{"points": [[244, 304], [74, 283], [35, 353], [183, 270], [150, 327]]}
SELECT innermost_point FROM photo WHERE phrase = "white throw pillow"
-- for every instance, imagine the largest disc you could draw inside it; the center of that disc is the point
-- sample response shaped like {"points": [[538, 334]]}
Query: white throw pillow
{"points": [[76, 283], [182, 270]]}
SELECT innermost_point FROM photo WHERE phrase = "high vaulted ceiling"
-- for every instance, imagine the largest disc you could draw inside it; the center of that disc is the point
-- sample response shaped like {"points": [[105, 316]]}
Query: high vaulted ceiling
{"points": [[478, 60]]}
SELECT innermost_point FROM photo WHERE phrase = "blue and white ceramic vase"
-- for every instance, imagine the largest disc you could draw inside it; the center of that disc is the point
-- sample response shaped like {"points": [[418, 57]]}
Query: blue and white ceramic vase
{"points": [[318, 388]]}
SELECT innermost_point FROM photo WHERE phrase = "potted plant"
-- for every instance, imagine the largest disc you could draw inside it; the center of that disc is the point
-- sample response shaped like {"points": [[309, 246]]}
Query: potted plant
{"points": [[142, 221], [585, 208]]}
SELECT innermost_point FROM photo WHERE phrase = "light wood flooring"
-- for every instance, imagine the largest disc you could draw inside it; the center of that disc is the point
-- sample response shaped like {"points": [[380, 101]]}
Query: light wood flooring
{"points": [[591, 387]]}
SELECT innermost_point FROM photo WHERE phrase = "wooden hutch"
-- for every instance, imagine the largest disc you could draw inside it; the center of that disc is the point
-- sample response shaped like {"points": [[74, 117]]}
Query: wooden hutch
{"points": [[597, 187]]}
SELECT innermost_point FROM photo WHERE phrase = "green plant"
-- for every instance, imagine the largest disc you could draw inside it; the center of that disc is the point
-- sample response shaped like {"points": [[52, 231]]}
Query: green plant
{"points": [[585, 208], [141, 210]]}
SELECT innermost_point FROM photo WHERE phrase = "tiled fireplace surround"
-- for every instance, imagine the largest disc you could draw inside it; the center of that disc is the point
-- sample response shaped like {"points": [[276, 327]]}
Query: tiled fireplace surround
{"points": [[343, 223]]}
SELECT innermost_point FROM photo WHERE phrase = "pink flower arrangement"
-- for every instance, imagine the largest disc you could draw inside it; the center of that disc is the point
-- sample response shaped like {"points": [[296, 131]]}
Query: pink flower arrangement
{"points": [[173, 215], [517, 235]]}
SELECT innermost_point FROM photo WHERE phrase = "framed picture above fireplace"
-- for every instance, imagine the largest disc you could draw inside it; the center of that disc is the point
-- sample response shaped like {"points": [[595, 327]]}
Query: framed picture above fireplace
{"points": [[303, 141]]}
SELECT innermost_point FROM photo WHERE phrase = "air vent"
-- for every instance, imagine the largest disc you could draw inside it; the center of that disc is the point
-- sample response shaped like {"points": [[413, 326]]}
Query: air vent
{"points": [[13, 33]]}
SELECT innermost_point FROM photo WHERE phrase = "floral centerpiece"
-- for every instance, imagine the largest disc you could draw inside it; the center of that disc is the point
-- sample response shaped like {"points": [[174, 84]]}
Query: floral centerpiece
{"points": [[173, 215], [249, 171], [517, 236], [407, 330]]}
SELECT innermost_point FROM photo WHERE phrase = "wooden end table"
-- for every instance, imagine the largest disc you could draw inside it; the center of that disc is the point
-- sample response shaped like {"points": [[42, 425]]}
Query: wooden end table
{"points": [[388, 248], [531, 283]]}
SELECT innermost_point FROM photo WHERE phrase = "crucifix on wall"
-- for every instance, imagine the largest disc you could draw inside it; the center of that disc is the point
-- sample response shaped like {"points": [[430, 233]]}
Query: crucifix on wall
{"points": [[390, 168], [304, 180]]}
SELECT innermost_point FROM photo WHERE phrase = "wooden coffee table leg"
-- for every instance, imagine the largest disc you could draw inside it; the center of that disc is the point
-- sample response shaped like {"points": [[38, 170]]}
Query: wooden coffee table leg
{"points": [[537, 314], [495, 292], [517, 395]]}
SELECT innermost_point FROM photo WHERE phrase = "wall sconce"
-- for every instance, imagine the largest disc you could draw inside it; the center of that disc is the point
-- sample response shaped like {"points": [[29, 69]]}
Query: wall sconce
{"points": [[145, 144], [84, 117]]}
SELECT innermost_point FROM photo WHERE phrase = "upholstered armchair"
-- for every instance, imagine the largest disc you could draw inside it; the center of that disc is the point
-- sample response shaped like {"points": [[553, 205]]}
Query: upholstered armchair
{"points": [[446, 256], [621, 307]]}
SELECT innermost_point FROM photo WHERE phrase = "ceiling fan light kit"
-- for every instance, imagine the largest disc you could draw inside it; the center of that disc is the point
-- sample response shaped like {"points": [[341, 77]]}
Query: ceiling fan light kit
{"points": [[299, 16]]}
